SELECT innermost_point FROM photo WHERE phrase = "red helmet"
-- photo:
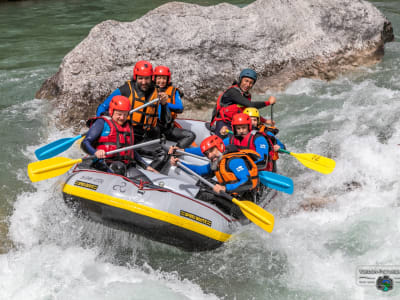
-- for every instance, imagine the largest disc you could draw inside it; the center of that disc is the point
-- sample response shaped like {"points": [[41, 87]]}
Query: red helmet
{"points": [[210, 142], [119, 103], [142, 68], [162, 71], [241, 119]]}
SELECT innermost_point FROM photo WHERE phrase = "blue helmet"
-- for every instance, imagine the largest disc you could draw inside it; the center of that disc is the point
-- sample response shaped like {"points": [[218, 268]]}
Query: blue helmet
{"points": [[248, 73]]}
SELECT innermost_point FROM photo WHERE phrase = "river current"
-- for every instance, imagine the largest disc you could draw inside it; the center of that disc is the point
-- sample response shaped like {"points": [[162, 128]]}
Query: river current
{"points": [[331, 226]]}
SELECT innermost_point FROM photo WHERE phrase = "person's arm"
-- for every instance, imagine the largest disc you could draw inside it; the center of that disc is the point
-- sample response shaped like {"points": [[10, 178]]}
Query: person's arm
{"points": [[239, 168], [201, 170], [194, 150], [178, 106], [103, 107], [92, 136], [282, 145], [262, 148], [235, 97]]}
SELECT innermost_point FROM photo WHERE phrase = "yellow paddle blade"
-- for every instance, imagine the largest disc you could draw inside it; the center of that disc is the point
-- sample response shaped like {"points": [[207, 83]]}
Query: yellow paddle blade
{"points": [[256, 214], [316, 162], [50, 168]]}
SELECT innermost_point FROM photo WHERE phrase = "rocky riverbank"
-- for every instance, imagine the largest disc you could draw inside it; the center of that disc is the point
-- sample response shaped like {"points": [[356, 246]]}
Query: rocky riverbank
{"points": [[206, 47]]}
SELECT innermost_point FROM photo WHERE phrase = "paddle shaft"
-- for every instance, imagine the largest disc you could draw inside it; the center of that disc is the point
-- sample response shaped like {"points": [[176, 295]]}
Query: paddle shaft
{"points": [[206, 182], [143, 106], [131, 147], [192, 155]]}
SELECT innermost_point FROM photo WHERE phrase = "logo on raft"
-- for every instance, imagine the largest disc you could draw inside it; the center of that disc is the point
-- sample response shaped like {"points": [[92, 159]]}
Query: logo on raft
{"points": [[195, 218], [86, 185], [384, 283]]}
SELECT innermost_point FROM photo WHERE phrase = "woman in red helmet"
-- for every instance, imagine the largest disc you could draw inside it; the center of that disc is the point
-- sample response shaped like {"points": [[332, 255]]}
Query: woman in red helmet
{"points": [[109, 133], [162, 79]]}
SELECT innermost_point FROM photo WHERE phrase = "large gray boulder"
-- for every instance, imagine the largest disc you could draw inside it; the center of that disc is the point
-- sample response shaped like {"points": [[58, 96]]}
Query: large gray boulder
{"points": [[206, 47]]}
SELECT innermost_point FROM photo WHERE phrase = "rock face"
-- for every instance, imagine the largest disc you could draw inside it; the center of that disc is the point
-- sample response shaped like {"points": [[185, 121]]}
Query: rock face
{"points": [[206, 47]]}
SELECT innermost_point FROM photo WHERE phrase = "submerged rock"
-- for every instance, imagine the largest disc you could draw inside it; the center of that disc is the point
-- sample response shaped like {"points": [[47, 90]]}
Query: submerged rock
{"points": [[206, 47]]}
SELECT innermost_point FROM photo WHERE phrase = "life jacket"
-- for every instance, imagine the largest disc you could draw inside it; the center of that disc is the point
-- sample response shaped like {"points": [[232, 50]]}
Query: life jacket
{"points": [[119, 137], [145, 118], [264, 128], [226, 176], [170, 91], [226, 112], [248, 143]]}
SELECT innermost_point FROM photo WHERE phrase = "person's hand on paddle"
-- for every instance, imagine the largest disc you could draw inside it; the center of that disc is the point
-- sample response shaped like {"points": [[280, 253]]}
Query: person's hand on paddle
{"points": [[172, 150], [269, 122], [219, 188], [276, 148], [271, 100], [163, 98], [100, 154], [173, 160], [151, 169]]}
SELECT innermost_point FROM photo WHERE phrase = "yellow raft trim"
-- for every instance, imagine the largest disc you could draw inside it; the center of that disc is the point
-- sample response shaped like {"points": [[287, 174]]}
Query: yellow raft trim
{"points": [[147, 211]]}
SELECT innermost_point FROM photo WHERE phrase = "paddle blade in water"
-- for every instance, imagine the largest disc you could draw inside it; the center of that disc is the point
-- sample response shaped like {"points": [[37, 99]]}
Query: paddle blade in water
{"points": [[256, 214], [277, 182], [55, 148], [50, 168], [316, 162]]}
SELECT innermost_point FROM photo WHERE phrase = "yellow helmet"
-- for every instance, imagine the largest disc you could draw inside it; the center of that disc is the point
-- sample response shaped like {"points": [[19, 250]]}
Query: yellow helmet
{"points": [[252, 112]]}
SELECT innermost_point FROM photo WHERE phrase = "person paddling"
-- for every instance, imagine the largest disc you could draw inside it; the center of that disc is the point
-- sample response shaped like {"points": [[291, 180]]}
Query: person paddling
{"points": [[235, 169], [112, 132], [234, 100], [162, 79]]}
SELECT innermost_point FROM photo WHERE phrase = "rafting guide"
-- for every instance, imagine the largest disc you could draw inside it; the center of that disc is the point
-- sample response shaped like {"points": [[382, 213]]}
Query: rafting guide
{"points": [[234, 100]]}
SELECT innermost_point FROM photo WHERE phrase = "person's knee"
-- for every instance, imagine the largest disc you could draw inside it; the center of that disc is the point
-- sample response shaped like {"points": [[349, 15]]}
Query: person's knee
{"points": [[118, 167]]}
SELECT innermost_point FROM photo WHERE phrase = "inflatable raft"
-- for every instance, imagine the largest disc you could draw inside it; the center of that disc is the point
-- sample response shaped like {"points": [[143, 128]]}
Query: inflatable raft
{"points": [[162, 207]]}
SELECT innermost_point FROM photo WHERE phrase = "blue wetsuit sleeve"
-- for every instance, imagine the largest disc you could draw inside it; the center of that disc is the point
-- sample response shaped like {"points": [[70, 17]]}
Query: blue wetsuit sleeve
{"points": [[92, 135], [201, 170], [282, 145], [178, 106], [195, 150], [239, 168], [262, 148], [103, 107]]}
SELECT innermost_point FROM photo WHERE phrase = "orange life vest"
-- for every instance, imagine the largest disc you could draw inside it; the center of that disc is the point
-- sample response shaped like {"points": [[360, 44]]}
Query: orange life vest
{"points": [[145, 118], [170, 91], [225, 175]]}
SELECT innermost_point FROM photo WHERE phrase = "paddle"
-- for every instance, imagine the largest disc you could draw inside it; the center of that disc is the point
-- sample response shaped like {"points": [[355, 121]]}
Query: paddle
{"points": [[56, 147], [276, 181], [251, 210], [61, 145], [56, 166], [315, 162], [192, 155]]}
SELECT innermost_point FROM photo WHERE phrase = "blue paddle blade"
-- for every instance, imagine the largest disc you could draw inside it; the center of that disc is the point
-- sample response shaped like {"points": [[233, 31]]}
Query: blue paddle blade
{"points": [[55, 148], [277, 182]]}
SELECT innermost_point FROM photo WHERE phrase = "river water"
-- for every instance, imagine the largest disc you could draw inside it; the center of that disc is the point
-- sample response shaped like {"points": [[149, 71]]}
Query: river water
{"points": [[330, 226]]}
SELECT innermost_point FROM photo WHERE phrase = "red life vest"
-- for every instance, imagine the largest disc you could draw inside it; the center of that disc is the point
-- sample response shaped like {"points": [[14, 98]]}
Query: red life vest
{"points": [[226, 113], [248, 143], [119, 137]]}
